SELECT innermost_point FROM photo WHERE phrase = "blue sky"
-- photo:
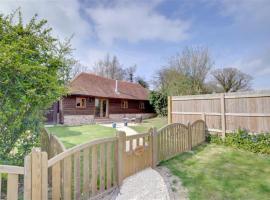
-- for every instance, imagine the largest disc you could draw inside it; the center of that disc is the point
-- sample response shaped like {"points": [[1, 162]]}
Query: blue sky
{"points": [[148, 33]]}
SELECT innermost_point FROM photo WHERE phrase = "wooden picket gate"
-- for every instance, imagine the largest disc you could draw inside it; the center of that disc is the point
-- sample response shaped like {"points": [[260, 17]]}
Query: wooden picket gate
{"points": [[136, 153], [99, 166]]}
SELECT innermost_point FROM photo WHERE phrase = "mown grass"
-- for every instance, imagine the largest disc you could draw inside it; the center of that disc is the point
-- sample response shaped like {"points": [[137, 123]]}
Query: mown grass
{"points": [[146, 124], [74, 135], [218, 172]]}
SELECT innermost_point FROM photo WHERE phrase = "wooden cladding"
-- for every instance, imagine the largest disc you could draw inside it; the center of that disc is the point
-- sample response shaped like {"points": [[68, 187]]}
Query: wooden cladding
{"points": [[80, 102], [69, 106], [142, 105], [124, 104], [115, 106]]}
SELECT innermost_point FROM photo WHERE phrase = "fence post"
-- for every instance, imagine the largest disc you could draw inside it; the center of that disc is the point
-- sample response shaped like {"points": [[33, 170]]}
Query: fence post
{"points": [[120, 162], [36, 175], [169, 110], [223, 117], [204, 125], [189, 136], [154, 147]]}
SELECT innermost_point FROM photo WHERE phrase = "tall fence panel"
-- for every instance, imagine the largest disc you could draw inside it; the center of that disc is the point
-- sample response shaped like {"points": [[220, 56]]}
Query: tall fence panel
{"points": [[224, 112]]}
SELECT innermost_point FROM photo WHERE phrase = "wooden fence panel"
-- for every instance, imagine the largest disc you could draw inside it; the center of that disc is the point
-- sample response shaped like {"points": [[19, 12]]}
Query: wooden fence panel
{"points": [[177, 138], [169, 139], [84, 181], [224, 112]]}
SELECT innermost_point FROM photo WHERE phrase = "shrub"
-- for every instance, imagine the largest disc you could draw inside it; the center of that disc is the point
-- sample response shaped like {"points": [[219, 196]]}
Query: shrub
{"points": [[159, 102], [241, 139], [33, 65]]}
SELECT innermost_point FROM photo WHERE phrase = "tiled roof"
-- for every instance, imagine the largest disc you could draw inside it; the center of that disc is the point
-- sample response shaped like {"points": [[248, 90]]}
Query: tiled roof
{"points": [[93, 85]]}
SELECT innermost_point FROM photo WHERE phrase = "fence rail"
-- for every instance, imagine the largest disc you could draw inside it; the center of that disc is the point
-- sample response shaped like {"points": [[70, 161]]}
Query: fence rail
{"points": [[223, 112], [94, 168]]}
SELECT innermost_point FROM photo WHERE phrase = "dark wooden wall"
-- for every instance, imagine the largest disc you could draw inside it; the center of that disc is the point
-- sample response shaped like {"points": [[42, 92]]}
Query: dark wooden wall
{"points": [[69, 106], [51, 114], [133, 107]]}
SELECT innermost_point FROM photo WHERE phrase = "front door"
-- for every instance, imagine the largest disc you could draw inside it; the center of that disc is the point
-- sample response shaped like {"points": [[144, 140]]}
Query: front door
{"points": [[101, 107]]}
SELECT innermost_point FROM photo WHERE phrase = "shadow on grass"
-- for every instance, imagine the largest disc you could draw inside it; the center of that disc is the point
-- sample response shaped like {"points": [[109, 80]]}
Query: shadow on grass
{"points": [[64, 132]]}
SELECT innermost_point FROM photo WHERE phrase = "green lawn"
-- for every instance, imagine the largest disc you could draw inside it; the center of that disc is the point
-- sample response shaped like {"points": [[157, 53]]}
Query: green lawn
{"points": [[74, 135], [218, 172], [157, 122]]}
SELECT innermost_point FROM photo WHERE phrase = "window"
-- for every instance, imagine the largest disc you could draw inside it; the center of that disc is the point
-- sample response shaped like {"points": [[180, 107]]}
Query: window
{"points": [[124, 104], [141, 105], [80, 102]]}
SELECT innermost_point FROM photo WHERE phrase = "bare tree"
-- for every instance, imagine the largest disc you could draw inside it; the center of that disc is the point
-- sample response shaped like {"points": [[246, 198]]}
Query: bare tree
{"points": [[78, 68], [109, 68], [232, 79], [130, 73], [192, 66]]}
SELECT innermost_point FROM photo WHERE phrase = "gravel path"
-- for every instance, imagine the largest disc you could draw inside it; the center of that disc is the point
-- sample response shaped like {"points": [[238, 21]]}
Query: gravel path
{"points": [[145, 185]]}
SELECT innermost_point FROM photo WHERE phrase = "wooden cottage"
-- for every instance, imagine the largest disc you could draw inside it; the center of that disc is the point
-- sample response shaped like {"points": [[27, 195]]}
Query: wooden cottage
{"points": [[93, 98]]}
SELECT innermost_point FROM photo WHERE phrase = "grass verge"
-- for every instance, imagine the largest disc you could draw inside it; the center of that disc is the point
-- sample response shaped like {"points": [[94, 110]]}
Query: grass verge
{"points": [[146, 124], [74, 135], [219, 172]]}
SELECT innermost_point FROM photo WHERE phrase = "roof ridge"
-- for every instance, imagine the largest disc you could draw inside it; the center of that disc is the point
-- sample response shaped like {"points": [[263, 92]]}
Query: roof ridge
{"points": [[92, 74]]}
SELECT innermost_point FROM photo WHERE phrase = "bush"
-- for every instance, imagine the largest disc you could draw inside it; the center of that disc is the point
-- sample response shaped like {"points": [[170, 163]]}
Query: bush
{"points": [[159, 102], [241, 139], [33, 65]]}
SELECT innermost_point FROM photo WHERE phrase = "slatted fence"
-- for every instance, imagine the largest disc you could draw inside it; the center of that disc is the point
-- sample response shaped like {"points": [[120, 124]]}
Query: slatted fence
{"points": [[223, 112], [177, 138], [92, 169]]}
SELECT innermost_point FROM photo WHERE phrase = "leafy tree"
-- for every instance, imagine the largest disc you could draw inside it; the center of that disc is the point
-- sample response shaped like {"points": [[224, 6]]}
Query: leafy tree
{"points": [[185, 73], [31, 62], [174, 82], [232, 80]]}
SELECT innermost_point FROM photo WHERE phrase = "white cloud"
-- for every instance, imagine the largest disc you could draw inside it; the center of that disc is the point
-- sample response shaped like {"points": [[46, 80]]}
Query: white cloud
{"points": [[249, 14], [257, 65], [63, 17], [135, 22]]}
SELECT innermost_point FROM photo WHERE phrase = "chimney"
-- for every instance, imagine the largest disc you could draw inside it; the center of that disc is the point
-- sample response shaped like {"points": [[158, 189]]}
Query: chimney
{"points": [[116, 87]]}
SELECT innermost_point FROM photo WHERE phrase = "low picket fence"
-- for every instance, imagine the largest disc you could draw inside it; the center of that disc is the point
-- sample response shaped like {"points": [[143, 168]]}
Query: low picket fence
{"points": [[97, 167]]}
